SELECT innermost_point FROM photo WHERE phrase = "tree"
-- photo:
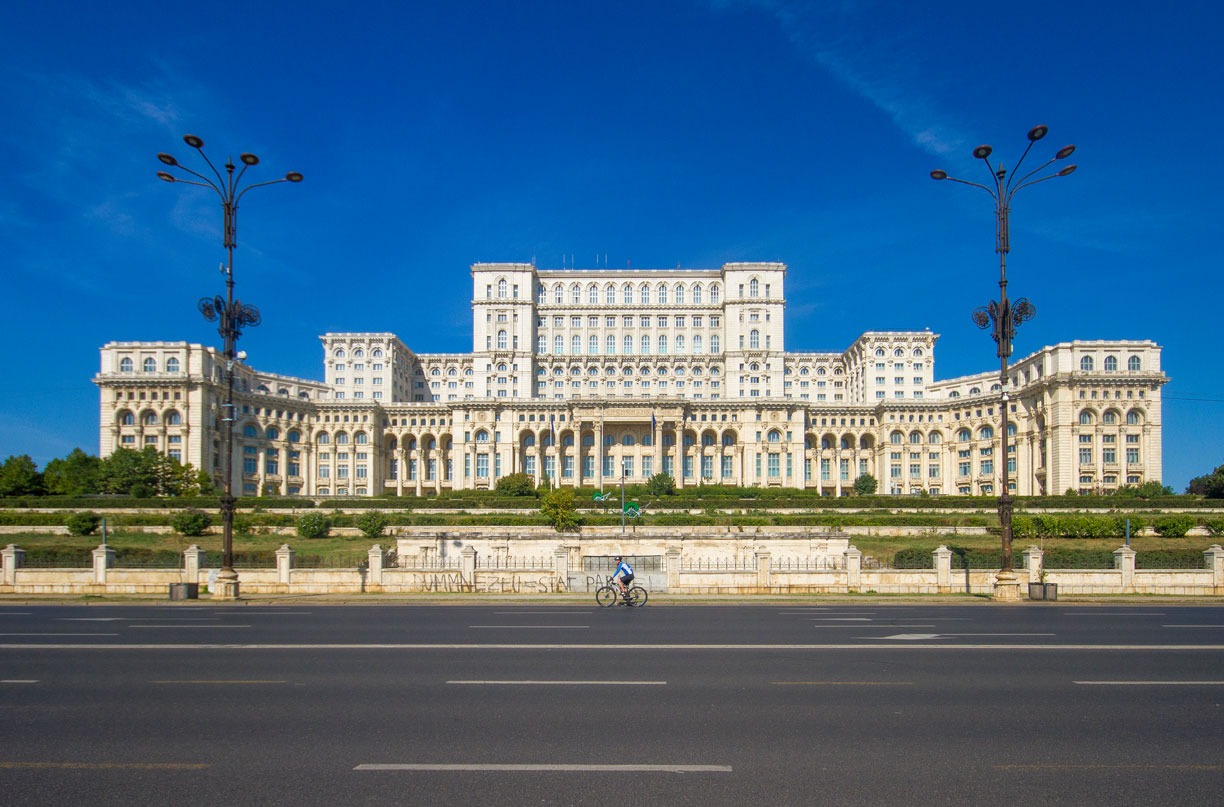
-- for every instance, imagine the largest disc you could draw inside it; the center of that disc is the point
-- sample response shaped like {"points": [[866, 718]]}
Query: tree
{"points": [[205, 486], [83, 523], [558, 507], [1209, 485], [19, 476], [372, 522], [313, 525], [126, 469], [865, 485], [661, 485], [191, 521], [516, 485], [76, 474]]}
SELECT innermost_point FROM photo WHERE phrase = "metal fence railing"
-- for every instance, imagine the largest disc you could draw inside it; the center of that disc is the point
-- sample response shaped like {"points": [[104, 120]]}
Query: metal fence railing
{"points": [[812, 564]]}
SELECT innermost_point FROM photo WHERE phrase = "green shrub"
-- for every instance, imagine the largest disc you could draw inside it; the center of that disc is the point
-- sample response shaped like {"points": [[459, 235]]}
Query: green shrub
{"points": [[661, 485], [313, 525], [83, 523], [558, 507], [190, 522], [372, 523], [516, 485], [1174, 526], [142, 491], [1214, 525]]}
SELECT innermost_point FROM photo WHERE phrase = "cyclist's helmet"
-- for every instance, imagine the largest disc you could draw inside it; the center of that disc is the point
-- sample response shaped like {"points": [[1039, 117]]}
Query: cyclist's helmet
{"points": [[617, 558]]}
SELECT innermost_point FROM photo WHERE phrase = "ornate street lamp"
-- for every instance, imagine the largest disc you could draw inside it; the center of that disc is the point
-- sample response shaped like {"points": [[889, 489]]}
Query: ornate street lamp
{"points": [[1003, 316], [233, 316]]}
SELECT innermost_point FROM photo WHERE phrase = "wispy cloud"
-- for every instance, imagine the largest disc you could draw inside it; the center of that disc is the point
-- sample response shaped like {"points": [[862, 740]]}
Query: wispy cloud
{"points": [[844, 40]]}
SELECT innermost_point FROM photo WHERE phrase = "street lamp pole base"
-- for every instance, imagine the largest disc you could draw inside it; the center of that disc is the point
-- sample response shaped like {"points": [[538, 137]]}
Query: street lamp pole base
{"points": [[1007, 587], [226, 585]]}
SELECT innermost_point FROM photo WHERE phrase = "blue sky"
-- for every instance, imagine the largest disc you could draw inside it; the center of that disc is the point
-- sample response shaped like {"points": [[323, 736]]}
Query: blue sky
{"points": [[674, 132]]}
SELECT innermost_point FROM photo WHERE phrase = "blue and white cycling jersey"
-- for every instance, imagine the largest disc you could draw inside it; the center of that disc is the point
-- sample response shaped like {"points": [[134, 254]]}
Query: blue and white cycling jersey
{"points": [[624, 570]]}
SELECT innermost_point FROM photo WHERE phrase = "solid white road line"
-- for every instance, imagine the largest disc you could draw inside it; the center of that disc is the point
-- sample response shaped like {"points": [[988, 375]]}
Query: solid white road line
{"points": [[552, 647], [1192, 626], [19, 681], [59, 634], [555, 627], [1111, 613], [562, 768], [16, 613], [565, 683], [870, 627], [540, 613], [90, 619], [842, 619], [1150, 683], [189, 626]]}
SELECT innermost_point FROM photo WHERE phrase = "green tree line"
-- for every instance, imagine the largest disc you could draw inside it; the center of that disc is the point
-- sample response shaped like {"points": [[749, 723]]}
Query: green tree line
{"points": [[126, 472]]}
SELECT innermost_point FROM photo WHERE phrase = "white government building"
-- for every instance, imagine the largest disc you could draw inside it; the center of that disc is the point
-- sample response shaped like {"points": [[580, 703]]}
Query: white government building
{"points": [[579, 375]]}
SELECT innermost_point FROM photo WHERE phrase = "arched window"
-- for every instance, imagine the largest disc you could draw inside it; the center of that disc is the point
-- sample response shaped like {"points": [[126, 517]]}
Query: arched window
{"points": [[127, 419], [272, 433], [627, 294], [1110, 418], [728, 438], [1011, 429], [610, 294], [714, 343], [917, 352], [680, 294], [715, 293], [754, 288], [575, 344], [174, 419], [935, 437], [541, 294], [985, 433], [568, 441], [754, 339], [339, 353], [1134, 364], [482, 436], [879, 351], [644, 294], [125, 365], [294, 436], [963, 435], [358, 354], [249, 431], [501, 340], [150, 419], [588, 440], [707, 439], [575, 294], [558, 344], [431, 444], [593, 345], [645, 345], [172, 365], [558, 294], [915, 437], [501, 288], [1132, 418], [898, 353], [628, 344], [593, 294], [378, 354], [661, 293], [627, 440], [361, 438], [529, 440], [1111, 364], [324, 439], [1085, 418], [696, 294], [896, 438], [662, 345], [696, 343], [679, 344], [1086, 364], [611, 345], [541, 344], [342, 438]]}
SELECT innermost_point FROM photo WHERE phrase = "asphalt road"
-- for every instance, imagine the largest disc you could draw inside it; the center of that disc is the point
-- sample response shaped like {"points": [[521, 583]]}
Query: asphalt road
{"points": [[517, 704]]}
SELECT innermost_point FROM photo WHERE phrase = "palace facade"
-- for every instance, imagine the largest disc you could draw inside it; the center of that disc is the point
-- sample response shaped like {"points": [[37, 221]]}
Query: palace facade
{"points": [[581, 376]]}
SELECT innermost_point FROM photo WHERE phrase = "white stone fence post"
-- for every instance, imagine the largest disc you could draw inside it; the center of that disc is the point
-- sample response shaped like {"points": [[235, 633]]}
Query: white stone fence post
{"points": [[943, 569], [561, 568], [469, 568], [103, 559], [762, 569], [284, 564], [1034, 559], [854, 568], [1124, 559], [1215, 561], [13, 558], [377, 558], [193, 559]]}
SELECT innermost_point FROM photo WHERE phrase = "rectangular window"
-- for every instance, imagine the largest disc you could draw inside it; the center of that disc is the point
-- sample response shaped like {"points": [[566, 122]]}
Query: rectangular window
{"points": [[824, 470], [647, 467], [707, 467], [1085, 455], [529, 465], [1132, 456], [431, 470], [933, 471], [775, 469], [726, 466], [627, 466], [567, 466], [963, 468], [1109, 456], [324, 472], [988, 466], [342, 472], [361, 472], [550, 467], [688, 467], [608, 461], [669, 466], [844, 469]]}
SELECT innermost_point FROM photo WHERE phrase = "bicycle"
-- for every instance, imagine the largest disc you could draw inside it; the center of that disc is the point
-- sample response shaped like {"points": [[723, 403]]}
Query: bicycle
{"points": [[609, 594]]}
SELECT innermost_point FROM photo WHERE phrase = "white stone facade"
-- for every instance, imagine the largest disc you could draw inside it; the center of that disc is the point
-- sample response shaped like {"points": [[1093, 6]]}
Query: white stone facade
{"points": [[579, 375]]}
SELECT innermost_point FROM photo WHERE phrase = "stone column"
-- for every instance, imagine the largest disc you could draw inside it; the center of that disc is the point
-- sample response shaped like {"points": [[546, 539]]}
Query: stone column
{"points": [[193, 559], [673, 570], [561, 568], [469, 568], [943, 569], [376, 557], [284, 564], [1124, 559], [1214, 556], [854, 568], [401, 470], [103, 559], [599, 456], [762, 569], [1034, 560], [14, 558]]}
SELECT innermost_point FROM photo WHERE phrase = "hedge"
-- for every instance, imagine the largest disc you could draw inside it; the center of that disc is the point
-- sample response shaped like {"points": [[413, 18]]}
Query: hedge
{"points": [[1054, 558]]}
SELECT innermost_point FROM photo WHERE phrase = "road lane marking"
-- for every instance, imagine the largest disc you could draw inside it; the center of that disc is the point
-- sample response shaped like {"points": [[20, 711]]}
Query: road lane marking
{"points": [[1151, 683], [843, 618], [842, 683], [19, 681], [504, 768], [996, 634], [189, 626], [555, 627], [1112, 613], [540, 613], [910, 637], [59, 634], [97, 766], [1056, 766], [175, 619], [90, 619], [213, 681], [753, 648], [871, 627], [566, 683], [1192, 626], [16, 613]]}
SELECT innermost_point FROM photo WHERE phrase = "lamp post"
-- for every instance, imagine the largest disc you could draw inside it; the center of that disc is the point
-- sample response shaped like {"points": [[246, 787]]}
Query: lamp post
{"points": [[1003, 315], [233, 316]]}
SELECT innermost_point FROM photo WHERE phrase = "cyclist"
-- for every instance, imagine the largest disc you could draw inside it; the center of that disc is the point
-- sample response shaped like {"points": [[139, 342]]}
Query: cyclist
{"points": [[623, 575]]}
